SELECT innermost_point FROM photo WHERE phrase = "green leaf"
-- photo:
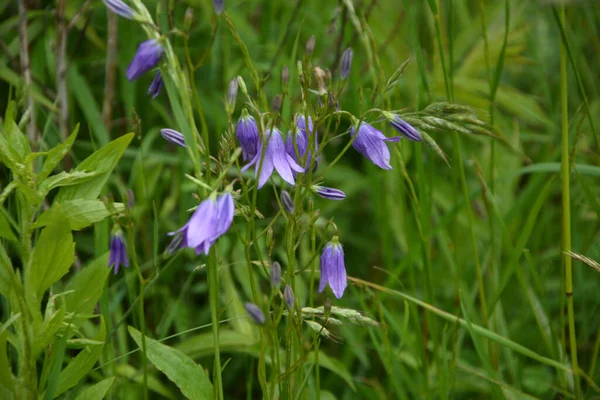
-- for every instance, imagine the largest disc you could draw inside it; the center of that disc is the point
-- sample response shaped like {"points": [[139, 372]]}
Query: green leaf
{"points": [[82, 363], [56, 155], [97, 391], [6, 273], [16, 139], [5, 229], [154, 384], [86, 288], [66, 179], [179, 368], [102, 162], [52, 257], [80, 213]]}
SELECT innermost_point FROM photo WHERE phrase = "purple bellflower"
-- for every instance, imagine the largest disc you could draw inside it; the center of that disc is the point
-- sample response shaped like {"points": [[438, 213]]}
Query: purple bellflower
{"points": [[255, 313], [211, 220], [402, 127], [275, 157], [371, 143], [329, 193], [148, 56], [302, 140], [173, 136], [156, 85], [119, 8], [333, 270], [118, 253], [247, 133]]}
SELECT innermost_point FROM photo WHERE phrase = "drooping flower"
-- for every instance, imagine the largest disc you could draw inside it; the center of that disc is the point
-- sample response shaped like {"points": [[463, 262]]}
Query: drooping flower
{"points": [[329, 193], [288, 296], [147, 57], [402, 127], [246, 132], [173, 136], [276, 274], [371, 143], [333, 270], [255, 313], [211, 220], [119, 8], [118, 253], [156, 85], [275, 157], [346, 63]]}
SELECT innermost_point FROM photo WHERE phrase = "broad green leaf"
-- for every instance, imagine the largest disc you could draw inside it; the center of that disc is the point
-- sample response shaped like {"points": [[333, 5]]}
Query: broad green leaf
{"points": [[66, 179], [7, 156], [102, 162], [86, 287], [16, 139], [154, 384], [334, 365], [97, 391], [56, 155], [82, 363], [52, 257], [202, 345], [5, 229], [6, 273], [179, 368], [80, 213]]}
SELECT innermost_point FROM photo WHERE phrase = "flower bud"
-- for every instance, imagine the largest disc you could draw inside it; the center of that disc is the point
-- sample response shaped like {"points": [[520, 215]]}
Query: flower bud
{"points": [[288, 203], [288, 296], [346, 63], [232, 94], [130, 199], [275, 274], [242, 85], [255, 313], [218, 5], [276, 104], [188, 18], [285, 76]]}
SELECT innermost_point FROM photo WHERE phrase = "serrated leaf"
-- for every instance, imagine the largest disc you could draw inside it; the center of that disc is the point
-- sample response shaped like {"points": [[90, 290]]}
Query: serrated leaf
{"points": [[86, 288], [179, 368], [83, 362], [56, 155], [102, 162], [80, 213], [52, 257], [97, 391], [5, 229], [66, 179]]}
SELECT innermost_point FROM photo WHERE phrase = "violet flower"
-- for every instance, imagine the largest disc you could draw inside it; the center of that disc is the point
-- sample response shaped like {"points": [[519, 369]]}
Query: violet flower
{"points": [[329, 193], [156, 85], [402, 127], [118, 253], [211, 220], [333, 271], [120, 8], [371, 143], [173, 136], [275, 157], [246, 132], [255, 313], [346, 63], [275, 274], [148, 56], [302, 140], [288, 296]]}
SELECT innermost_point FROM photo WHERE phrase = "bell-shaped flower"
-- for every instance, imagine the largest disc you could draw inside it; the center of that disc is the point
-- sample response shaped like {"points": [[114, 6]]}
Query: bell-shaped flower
{"points": [[333, 270], [372, 144], [211, 220], [402, 127], [118, 253], [246, 132], [148, 56], [120, 8], [173, 136], [302, 137], [275, 157], [156, 85]]}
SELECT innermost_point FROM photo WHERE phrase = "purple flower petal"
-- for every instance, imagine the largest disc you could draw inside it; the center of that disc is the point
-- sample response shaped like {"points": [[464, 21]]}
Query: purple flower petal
{"points": [[202, 223], [148, 56]]}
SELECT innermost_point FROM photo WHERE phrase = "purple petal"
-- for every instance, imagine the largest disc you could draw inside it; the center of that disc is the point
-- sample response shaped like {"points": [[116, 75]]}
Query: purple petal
{"points": [[276, 149], [266, 169], [147, 57], [325, 266], [202, 223], [370, 143], [119, 8], [337, 277]]}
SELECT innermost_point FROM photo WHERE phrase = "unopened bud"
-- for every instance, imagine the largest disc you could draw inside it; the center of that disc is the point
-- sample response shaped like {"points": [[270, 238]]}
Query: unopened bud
{"points": [[232, 94], [242, 85], [346, 63], [255, 313], [130, 199], [285, 75], [276, 105], [275, 274], [269, 239], [320, 77], [288, 296], [188, 18], [218, 5], [327, 307], [288, 203], [310, 45]]}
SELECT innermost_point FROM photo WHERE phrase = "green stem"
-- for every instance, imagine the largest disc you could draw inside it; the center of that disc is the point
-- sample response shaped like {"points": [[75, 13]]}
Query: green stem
{"points": [[566, 206], [213, 288]]}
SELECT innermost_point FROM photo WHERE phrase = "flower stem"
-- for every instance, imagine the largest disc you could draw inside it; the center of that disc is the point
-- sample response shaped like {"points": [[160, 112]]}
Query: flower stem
{"points": [[566, 206], [213, 288]]}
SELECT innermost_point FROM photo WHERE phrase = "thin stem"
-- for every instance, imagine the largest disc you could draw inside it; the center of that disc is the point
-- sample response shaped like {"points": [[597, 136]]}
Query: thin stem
{"points": [[566, 206], [61, 75], [26, 70], [213, 288]]}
